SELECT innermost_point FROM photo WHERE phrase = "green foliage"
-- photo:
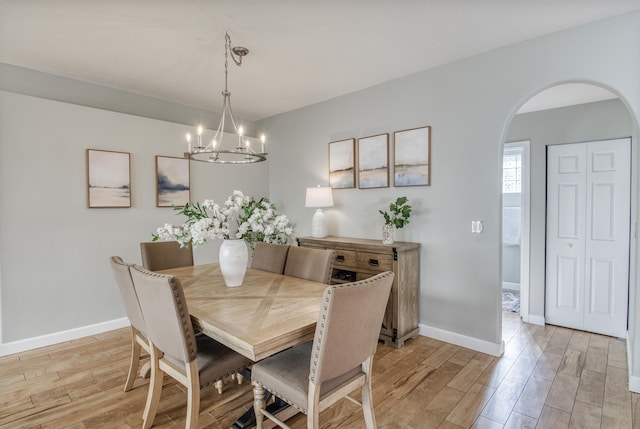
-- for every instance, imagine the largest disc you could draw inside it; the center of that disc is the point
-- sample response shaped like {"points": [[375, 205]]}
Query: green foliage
{"points": [[192, 211], [399, 213]]}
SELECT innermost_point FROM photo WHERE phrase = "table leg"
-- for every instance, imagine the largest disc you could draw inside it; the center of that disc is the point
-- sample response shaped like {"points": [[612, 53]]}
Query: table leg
{"points": [[248, 419]]}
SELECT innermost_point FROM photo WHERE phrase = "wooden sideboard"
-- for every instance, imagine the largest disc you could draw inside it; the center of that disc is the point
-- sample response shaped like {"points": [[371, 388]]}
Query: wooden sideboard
{"points": [[358, 259]]}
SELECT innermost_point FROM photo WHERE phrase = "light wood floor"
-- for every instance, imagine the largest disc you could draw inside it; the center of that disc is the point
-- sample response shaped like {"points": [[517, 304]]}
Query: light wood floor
{"points": [[549, 377]]}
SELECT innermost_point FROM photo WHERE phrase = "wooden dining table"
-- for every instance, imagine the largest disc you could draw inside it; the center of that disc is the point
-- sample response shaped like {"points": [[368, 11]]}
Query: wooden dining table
{"points": [[268, 313]]}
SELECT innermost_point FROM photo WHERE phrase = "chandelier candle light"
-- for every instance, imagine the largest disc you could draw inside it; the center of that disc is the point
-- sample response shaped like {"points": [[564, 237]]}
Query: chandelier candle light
{"points": [[319, 197], [215, 152]]}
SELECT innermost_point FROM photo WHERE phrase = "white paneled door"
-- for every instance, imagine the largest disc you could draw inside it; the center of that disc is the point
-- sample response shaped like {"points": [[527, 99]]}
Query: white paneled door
{"points": [[588, 212]]}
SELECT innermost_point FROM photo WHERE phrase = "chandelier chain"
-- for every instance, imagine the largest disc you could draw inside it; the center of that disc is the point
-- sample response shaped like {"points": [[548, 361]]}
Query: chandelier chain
{"points": [[237, 51], [227, 46]]}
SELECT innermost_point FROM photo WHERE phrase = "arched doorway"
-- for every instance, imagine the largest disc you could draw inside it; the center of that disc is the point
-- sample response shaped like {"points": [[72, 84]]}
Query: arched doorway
{"points": [[564, 113]]}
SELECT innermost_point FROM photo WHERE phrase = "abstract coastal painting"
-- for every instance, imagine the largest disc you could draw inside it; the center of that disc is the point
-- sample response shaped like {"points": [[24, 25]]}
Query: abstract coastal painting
{"points": [[342, 169], [373, 162], [108, 178], [172, 181], [412, 165]]}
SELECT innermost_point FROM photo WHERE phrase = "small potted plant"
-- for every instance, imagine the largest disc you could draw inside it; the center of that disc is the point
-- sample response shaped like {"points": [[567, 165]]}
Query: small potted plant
{"points": [[397, 217]]}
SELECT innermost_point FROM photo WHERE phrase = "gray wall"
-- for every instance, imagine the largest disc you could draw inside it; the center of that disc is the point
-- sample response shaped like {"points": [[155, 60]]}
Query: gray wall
{"points": [[53, 249], [44, 85], [588, 122], [511, 266], [470, 105]]}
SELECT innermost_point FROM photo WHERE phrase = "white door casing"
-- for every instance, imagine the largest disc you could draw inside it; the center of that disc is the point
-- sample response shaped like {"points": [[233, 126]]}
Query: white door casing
{"points": [[588, 212], [525, 204]]}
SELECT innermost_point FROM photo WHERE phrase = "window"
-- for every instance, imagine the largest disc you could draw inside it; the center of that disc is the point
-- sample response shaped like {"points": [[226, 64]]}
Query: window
{"points": [[512, 171]]}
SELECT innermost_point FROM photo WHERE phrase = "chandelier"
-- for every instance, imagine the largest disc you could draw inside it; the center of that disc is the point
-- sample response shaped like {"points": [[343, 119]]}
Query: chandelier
{"points": [[221, 150]]}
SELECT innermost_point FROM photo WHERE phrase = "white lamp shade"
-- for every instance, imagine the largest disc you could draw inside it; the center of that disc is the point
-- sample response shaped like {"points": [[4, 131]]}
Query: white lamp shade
{"points": [[319, 197]]}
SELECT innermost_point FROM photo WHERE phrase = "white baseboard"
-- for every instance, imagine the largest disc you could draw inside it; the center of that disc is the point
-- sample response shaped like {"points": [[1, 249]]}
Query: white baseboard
{"points": [[634, 381], [60, 337], [511, 286], [494, 349], [535, 320], [634, 384]]}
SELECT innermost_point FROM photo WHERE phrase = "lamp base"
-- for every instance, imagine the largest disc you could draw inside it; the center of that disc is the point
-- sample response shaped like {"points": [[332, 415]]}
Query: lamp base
{"points": [[319, 224]]}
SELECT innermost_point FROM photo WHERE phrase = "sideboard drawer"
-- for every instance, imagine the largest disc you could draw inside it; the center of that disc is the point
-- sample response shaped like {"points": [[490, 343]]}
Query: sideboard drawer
{"points": [[345, 258], [375, 261]]}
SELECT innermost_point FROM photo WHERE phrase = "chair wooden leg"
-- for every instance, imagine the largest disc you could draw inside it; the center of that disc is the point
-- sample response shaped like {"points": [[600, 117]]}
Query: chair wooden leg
{"points": [[135, 361], [259, 404], [193, 395], [155, 388], [313, 407], [367, 396], [367, 407]]}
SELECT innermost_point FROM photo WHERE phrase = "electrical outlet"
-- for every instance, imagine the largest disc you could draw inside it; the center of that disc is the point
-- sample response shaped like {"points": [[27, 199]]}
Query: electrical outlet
{"points": [[476, 226]]}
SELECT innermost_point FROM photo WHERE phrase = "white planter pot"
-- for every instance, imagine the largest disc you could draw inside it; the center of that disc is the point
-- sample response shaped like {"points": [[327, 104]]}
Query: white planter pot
{"points": [[233, 259]]}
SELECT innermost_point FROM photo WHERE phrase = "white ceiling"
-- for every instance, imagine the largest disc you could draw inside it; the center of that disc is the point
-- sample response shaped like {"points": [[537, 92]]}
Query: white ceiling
{"points": [[566, 95], [302, 52]]}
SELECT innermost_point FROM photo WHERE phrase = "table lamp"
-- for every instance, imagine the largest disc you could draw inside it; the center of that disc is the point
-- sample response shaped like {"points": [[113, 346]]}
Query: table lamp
{"points": [[319, 197]]}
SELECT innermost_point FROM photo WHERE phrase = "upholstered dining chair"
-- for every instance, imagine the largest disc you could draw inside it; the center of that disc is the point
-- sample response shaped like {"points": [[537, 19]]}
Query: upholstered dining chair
{"points": [[139, 340], [269, 257], [194, 361], [309, 263], [316, 374], [162, 255]]}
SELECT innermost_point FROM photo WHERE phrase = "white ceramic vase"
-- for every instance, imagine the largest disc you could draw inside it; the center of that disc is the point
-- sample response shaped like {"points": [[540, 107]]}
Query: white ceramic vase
{"points": [[387, 234], [233, 259]]}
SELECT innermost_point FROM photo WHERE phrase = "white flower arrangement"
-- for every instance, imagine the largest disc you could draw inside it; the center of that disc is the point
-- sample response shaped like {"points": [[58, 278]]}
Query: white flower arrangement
{"points": [[241, 217]]}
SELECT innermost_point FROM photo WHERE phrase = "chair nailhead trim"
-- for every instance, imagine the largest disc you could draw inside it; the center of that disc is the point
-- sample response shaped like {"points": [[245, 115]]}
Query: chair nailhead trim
{"points": [[279, 395]]}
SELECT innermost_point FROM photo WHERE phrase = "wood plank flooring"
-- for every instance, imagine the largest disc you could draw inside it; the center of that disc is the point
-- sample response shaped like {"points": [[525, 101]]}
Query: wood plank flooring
{"points": [[549, 377]]}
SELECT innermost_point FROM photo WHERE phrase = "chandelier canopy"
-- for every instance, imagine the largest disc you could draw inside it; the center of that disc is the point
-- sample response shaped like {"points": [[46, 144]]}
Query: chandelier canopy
{"points": [[234, 150]]}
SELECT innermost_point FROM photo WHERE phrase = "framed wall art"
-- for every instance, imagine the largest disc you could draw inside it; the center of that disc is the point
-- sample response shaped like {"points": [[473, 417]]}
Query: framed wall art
{"points": [[172, 181], [373, 162], [108, 178], [342, 169], [412, 157]]}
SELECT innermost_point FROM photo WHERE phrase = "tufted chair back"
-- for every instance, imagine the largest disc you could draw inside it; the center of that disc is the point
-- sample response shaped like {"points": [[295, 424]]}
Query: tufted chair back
{"points": [[310, 264], [162, 255], [130, 299], [269, 257], [166, 315], [348, 326]]}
